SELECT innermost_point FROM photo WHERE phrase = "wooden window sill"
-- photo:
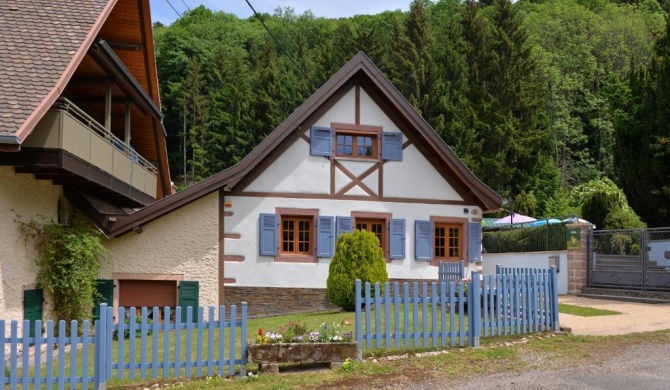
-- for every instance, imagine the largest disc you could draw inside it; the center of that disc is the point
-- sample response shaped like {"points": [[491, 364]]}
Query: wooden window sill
{"points": [[290, 258]]}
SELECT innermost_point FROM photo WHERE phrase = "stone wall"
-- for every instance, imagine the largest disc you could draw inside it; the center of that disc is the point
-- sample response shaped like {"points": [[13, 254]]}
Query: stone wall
{"points": [[271, 301], [577, 260]]}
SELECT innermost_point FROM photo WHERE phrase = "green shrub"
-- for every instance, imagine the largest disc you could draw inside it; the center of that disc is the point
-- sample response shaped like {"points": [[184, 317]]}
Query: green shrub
{"points": [[358, 255], [541, 238], [138, 330]]}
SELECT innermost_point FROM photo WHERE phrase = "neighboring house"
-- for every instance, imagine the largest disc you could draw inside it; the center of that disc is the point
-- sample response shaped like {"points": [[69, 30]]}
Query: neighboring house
{"points": [[355, 155], [80, 121]]}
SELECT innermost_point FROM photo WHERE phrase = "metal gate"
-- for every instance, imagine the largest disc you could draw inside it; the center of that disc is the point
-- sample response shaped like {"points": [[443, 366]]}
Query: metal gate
{"points": [[630, 259]]}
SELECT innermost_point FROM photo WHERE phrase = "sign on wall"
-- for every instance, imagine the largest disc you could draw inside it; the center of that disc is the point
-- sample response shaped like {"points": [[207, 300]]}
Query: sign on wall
{"points": [[574, 238]]}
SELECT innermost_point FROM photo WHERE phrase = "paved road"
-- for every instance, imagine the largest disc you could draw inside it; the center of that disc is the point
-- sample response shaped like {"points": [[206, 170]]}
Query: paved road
{"points": [[634, 368]]}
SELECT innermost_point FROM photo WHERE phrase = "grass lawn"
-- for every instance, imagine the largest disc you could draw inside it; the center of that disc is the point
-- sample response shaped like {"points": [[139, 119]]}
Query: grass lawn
{"points": [[500, 354], [584, 311]]}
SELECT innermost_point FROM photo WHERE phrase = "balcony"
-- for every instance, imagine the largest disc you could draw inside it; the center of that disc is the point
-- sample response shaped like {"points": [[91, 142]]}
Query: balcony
{"points": [[85, 150]]}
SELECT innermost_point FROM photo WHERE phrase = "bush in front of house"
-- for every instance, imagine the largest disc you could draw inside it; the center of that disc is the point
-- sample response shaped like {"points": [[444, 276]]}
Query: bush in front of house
{"points": [[358, 255]]}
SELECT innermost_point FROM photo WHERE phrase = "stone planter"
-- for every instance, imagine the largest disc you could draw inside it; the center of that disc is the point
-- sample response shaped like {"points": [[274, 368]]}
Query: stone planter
{"points": [[268, 356]]}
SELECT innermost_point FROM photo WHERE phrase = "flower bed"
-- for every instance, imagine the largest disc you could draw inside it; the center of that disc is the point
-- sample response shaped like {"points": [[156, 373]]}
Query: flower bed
{"points": [[295, 343]]}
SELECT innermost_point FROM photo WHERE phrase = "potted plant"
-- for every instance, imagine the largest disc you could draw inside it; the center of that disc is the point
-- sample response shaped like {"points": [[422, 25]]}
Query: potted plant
{"points": [[295, 343]]}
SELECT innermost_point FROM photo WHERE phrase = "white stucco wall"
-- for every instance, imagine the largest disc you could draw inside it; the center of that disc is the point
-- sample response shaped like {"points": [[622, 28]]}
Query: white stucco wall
{"points": [[295, 171], [529, 260], [182, 243], [22, 195], [344, 111], [403, 178], [264, 271]]}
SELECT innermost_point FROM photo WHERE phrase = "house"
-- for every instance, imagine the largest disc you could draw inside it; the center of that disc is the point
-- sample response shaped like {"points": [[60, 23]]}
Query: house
{"points": [[80, 121], [355, 155]]}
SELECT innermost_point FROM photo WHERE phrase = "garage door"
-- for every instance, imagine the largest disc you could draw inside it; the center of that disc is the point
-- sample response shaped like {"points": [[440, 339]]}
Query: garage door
{"points": [[147, 293]]}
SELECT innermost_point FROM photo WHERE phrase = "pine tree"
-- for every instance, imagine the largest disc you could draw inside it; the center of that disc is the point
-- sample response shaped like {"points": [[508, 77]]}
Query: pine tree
{"points": [[416, 74], [642, 139]]}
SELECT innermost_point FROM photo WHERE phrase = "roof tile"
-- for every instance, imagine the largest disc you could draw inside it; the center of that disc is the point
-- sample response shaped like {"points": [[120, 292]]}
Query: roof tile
{"points": [[38, 40]]}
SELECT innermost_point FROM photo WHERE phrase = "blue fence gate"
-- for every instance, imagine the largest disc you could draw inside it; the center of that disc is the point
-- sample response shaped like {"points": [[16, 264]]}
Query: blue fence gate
{"points": [[142, 344]]}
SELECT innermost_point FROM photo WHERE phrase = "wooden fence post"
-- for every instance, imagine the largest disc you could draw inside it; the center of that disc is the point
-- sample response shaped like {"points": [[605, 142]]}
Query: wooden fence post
{"points": [[99, 375], [359, 326], [474, 309], [554, 298], [243, 354]]}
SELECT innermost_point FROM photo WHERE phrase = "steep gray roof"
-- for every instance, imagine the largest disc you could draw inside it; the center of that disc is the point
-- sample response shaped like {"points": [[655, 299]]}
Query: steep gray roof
{"points": [[41, 44]]}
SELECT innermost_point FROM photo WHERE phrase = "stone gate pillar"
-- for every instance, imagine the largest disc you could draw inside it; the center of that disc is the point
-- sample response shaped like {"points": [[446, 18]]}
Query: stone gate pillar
{"points": [[578, 257]]}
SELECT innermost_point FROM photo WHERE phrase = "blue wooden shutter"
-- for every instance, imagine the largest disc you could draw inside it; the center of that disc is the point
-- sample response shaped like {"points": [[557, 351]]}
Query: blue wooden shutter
{"points": [[344, 225], [392, 146], [321, 141], [325, 227], [268, 235], [397, 239], [423, 243], [475, 241]]}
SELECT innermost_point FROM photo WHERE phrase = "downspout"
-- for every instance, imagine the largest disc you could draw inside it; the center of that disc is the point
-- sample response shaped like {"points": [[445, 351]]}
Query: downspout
{"points": [[221, 272]]}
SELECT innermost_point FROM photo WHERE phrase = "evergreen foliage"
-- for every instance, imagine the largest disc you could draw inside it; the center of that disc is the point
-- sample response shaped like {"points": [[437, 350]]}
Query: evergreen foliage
{"points": [[67, 265], [605, 205], [358, 255]]}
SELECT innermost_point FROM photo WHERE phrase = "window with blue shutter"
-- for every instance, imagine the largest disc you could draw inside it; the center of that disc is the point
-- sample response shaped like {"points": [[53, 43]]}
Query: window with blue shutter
{"points": [[397, 247], [321, 141], [344, 225], [474, 241], [325, 234], [423, 240], [268, 235], [392, 146]]}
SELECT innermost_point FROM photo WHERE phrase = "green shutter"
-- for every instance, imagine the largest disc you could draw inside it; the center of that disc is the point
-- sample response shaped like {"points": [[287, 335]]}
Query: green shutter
{"points": [[105, 289], [188, 296], [32, 308]]}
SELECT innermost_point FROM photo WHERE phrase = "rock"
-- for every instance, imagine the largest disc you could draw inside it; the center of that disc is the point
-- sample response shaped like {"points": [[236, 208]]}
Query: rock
{"points": [[155, 385]]}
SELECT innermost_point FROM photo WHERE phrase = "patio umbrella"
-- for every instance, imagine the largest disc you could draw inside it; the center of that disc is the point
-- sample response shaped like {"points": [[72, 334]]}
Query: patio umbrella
{"points": [[543, 222], [514, 218]]}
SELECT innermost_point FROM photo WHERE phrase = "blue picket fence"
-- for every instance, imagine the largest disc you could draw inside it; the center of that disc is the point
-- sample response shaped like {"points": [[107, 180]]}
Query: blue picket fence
{"points": [[139, 349], [450, 271], [434, 318], [519, 300], [513, 301]]}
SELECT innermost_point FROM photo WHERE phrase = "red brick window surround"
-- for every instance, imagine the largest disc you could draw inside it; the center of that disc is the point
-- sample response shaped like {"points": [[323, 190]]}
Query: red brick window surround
{"points": [[297, 235]]}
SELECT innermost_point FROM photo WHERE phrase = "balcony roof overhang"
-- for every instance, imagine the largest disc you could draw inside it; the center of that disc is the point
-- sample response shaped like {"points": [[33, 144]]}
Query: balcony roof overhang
{"points": [[105, 57]]}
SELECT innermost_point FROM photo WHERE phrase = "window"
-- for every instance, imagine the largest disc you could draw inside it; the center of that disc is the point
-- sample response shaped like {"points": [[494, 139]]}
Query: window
{"points": [[375, 226], [356, 145], [448, 239], [296, 235]]}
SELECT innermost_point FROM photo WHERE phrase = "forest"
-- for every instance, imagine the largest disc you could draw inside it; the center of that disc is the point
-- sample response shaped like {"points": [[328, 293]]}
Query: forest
{"points": [[549, 102]]}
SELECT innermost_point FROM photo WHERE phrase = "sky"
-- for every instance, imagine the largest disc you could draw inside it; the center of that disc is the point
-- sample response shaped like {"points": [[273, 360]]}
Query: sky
{"points": [[162, 12]]}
